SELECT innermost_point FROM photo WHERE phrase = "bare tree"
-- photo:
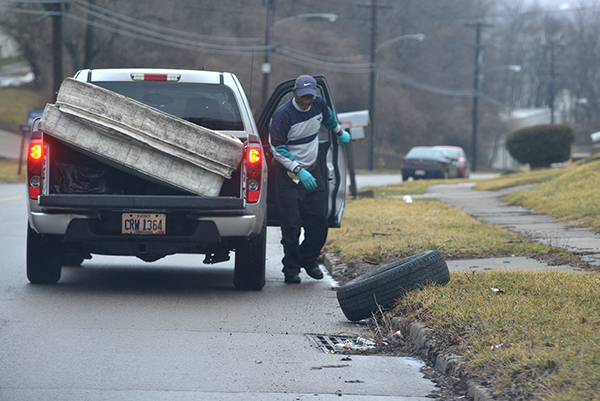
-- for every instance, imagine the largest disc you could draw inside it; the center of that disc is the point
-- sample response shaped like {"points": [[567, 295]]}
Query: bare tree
{"points": [[424, 89]]}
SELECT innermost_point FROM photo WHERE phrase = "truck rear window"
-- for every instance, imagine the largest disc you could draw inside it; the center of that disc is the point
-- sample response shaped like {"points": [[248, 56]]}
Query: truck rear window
{"points": [[210, 106]]}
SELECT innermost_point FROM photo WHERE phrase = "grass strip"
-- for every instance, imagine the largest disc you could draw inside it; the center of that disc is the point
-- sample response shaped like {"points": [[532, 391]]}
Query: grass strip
{"points": [[381, 230], [409, 187], [518, 179], [571, 196], [9, 170], [14, 104], [530, 335]]}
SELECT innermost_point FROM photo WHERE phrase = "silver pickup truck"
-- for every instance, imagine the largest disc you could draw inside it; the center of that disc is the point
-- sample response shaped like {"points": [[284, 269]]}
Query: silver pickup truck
{"points": [[81, 205]]}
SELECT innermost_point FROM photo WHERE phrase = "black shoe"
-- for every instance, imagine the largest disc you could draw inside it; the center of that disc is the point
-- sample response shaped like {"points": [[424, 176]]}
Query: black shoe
{"points": [[313, 270], [292, 278]]}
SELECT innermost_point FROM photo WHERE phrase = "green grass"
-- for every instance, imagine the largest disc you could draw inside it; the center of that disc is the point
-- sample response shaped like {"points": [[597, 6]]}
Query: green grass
{"points": [[529, 335], [11, 60]]}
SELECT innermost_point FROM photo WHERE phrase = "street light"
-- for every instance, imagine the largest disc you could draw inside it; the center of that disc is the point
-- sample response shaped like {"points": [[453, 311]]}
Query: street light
{"points": [[266, 67], [329, 17], [374, 49], [418, 36]]}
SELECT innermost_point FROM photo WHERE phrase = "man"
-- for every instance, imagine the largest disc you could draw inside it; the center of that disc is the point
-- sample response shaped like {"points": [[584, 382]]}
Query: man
{"points": [[300, 188]]}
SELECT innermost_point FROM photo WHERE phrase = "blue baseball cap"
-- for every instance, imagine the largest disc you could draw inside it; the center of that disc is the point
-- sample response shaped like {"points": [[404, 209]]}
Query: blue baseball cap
{"points": [[305, 85]]}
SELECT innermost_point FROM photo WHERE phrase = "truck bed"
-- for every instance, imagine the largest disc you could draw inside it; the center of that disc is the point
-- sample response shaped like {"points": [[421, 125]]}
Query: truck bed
{"points": [[140, 139], [74, 172]]}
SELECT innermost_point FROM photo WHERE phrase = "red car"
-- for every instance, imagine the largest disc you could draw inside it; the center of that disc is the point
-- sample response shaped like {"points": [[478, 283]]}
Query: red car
{"points": [[459, 158], [428, 162]]}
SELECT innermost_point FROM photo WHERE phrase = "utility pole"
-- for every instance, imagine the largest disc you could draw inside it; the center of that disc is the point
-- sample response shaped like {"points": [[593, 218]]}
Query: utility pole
{"points": [[552, 85], [266, 67], [373, 84], [57, 46], [88, 53], [477, 27], [373, 80]]}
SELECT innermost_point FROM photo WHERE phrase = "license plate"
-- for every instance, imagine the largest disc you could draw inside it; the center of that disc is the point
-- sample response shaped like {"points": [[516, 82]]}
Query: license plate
{"points": [[144, 223], [419, 172]]}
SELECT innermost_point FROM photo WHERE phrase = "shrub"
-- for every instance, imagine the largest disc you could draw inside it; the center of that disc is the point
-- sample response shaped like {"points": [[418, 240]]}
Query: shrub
{"points": [[541, 145]]}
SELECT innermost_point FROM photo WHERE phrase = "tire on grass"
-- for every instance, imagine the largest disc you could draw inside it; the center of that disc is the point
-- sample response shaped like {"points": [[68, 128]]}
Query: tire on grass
{"points": [[383, 287]]}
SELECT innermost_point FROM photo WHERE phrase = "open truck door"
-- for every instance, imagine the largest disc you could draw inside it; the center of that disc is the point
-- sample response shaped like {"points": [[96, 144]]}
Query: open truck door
{"points": [[332, 158]]}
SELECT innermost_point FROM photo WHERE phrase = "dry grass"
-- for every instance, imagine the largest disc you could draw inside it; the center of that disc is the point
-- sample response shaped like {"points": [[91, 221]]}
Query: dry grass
{"points": [[530, 335], [571, 196], [9, 170], [518, 179], [379, 230], [411, 187], [14, 104]]}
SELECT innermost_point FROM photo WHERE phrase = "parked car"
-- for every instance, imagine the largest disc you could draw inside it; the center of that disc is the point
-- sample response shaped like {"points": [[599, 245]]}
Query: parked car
{"points": [[459, 156], [428, 162]]}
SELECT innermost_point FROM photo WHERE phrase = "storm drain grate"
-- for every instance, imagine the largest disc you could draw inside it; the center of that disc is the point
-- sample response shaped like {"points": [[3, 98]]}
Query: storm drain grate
{"points": [[339, 344]]}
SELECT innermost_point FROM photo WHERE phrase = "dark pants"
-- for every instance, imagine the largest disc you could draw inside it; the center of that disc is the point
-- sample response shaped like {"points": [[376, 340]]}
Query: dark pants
{"points": [[300, 208]]}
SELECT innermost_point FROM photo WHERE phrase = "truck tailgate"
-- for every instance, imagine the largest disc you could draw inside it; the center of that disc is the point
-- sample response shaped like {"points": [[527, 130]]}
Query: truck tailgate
{"points": [[214, 204]]}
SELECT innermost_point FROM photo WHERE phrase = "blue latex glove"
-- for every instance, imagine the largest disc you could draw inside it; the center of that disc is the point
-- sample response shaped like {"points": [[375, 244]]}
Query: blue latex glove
{"points": [[307, 179], [284, 151], [344, 138]]}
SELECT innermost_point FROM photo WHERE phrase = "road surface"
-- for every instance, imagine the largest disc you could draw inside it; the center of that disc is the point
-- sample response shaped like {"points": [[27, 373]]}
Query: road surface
{"points": [[122, 329]]}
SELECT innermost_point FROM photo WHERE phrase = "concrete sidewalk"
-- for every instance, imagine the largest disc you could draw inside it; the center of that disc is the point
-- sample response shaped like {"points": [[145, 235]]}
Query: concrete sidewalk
{"points": [[10, 145], [487, 207]]}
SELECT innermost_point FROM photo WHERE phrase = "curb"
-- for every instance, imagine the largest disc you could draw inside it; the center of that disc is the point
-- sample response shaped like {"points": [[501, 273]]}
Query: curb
{"points": [[447, 364], [330, 260]]}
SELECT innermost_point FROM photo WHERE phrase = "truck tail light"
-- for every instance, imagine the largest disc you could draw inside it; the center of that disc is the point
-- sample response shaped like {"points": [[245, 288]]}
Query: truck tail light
{"points": [[35, 162], [254, 164]]}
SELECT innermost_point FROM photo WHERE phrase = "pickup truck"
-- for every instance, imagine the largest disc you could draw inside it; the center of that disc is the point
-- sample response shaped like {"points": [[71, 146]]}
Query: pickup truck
{"points": [[79, 205]]}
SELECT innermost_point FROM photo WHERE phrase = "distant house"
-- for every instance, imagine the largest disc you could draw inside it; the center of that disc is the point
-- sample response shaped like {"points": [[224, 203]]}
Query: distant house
{"points": [[8, 47], [519, 118]]}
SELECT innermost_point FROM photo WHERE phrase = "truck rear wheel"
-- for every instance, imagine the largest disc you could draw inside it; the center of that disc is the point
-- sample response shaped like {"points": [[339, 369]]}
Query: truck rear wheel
{"points": [[43, 258], [249, 271]]}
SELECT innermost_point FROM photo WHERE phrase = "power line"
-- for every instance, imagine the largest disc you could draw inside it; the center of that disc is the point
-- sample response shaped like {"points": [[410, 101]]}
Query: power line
{"points": [[161, 36], [25, 11], [408, 80], [173, 42], [153, 26], [33, 1], [327, 63]]}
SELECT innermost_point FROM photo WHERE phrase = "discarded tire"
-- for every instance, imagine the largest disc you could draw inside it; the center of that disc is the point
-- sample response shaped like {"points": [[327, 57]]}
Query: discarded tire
{"points": [[383, 287]]}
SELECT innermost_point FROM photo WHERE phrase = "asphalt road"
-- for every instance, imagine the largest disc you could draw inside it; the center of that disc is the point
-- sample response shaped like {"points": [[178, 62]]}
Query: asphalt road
{"points": [[121, 329]]}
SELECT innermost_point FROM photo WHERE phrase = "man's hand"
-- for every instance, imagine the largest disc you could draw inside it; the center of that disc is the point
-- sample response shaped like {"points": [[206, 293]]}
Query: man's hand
{"points": [[307, 179], [344, 138]]}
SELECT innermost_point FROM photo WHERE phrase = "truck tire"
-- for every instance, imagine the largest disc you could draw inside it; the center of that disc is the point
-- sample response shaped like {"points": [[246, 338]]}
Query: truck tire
{"points": [[384, 286], [250, 260], [43, 258], [71, 260]]}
